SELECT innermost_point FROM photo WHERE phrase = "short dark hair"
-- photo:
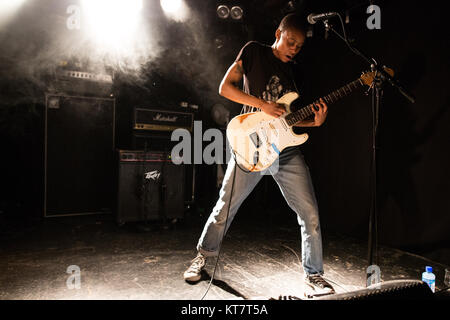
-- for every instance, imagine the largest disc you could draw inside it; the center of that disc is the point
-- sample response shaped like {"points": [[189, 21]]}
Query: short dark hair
{"points": [[292, 21]]}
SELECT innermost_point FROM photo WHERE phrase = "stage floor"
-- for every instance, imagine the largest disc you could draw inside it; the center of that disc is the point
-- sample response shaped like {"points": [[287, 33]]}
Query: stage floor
{"points": [[257, 261]]}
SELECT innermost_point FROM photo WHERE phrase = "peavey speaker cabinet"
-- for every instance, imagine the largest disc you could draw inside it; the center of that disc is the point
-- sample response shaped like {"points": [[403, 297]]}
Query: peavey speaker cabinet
{"points": [[150, 187]]}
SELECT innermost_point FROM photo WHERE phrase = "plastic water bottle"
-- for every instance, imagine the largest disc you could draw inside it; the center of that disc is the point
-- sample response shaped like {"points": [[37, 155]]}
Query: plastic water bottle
{"points": [[429, 278]]}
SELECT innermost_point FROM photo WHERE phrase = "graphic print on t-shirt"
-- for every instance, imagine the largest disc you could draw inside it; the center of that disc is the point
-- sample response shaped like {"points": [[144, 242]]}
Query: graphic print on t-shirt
{"points": [[274, 89]]}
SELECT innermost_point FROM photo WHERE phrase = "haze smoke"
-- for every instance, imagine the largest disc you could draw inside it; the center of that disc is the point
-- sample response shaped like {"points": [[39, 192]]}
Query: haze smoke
{"points": [[37, 40]]}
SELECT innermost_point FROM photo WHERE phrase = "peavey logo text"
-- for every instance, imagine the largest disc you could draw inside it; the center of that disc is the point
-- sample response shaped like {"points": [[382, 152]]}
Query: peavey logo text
{"points": [[153, 175], [160, 117]]}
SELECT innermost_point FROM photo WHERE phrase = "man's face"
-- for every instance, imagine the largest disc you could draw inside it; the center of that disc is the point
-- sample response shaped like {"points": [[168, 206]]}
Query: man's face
{"points": [[289, 43]]}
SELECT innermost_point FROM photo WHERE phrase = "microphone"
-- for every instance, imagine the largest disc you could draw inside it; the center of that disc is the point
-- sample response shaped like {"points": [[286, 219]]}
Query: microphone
{"points": [[314, 17]]}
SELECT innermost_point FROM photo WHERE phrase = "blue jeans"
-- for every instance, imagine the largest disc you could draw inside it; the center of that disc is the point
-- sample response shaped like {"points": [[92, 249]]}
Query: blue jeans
{"points": [[292, 176]]}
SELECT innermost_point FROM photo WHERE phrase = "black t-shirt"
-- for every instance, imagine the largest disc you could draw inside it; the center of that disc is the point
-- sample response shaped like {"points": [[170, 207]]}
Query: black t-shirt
{"points": [[265, 76]]}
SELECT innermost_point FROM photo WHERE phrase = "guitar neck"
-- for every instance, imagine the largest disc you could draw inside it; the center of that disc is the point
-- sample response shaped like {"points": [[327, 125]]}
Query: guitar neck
{"points": [[334, 96]]}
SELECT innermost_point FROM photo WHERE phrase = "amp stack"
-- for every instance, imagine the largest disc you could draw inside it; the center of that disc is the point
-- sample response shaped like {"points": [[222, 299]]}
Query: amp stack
{"points": [[79, 141], [150, 185]]}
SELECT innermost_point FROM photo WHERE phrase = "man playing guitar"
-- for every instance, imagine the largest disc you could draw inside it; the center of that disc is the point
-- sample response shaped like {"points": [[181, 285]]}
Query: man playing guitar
{"points": [[267, 75]]}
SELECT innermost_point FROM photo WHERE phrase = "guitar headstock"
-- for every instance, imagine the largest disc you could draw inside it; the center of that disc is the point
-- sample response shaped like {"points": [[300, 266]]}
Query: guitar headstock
{"points": [[367, 77]]}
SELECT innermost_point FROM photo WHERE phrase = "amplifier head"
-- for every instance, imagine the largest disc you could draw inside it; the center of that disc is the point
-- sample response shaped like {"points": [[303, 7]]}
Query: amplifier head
{"points": [[162, 120]]}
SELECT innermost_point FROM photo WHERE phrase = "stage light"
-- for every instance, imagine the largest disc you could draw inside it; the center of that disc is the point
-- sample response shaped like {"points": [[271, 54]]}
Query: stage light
{"points": [[171, 6], [223, 11], [10, 4], [8, 8], [310, 32], [219, 41], [175, 9], [112, 23], [236, 13]]}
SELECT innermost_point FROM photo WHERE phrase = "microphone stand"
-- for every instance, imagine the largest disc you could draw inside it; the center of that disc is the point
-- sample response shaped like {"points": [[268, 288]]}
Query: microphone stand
{"points": [[377, 92]]}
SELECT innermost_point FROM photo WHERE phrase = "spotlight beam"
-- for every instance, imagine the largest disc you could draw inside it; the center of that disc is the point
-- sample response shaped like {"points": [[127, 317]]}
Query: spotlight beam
{"points": [[112, 23], [171, 6], [8, 8], [175, 9]]}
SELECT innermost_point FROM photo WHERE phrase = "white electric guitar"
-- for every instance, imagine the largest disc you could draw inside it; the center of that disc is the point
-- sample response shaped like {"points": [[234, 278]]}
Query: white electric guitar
{"points": [[257, 138]]}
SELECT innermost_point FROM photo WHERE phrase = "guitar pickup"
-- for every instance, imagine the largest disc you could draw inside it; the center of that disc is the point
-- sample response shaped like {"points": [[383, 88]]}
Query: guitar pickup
{"points": [[255, 158], [255, 139]]}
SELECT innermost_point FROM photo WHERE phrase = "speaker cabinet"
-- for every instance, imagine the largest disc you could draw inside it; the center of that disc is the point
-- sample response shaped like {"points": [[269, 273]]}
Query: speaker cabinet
{"points": [[79, 155], [161, 142], [150, 187]]}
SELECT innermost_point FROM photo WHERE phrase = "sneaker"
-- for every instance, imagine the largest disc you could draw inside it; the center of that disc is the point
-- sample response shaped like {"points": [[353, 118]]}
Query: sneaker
{"points": [[193, 273], [318, 286]]}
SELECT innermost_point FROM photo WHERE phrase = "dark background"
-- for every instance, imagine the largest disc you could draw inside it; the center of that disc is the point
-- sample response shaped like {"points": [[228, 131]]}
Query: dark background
{"points": [[413, 172]]}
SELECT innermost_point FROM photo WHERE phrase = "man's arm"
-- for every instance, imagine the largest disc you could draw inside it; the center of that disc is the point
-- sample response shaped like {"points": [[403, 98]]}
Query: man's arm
{"points": [[228, 89]]}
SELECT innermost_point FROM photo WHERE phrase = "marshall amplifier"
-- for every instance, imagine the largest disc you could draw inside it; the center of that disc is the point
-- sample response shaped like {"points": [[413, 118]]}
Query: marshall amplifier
{"points": [[161, 120], [150, 187]]}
